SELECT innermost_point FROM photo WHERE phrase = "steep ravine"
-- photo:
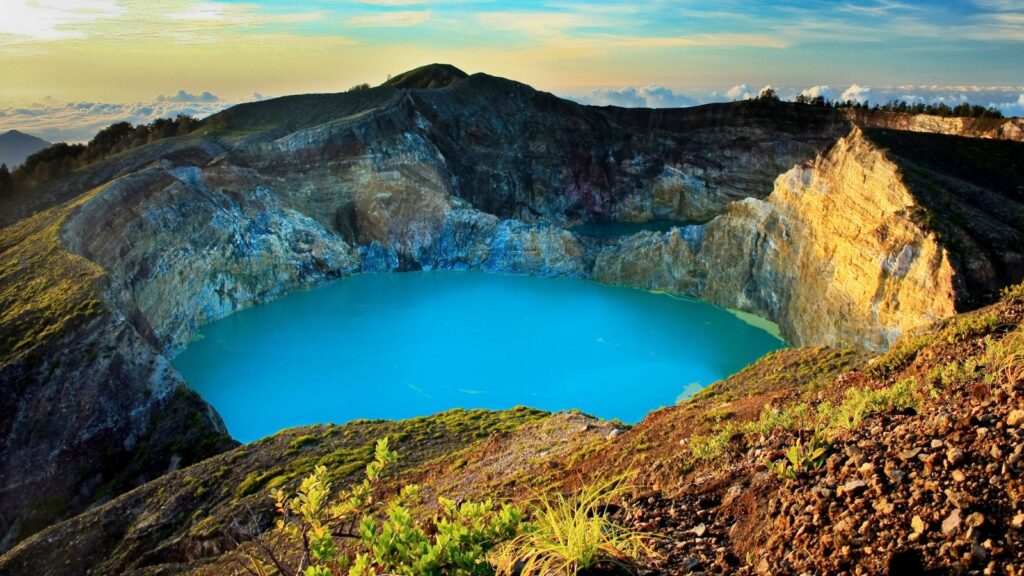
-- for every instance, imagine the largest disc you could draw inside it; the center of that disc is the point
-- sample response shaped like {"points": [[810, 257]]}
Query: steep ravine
{"points": [[483, 173]]}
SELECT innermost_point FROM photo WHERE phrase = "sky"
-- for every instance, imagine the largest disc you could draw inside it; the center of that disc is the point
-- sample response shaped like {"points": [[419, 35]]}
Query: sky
{"points": [[71, 66]]}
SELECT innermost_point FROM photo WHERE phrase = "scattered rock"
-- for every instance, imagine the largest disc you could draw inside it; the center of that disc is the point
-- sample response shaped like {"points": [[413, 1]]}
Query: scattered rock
{"points": [[1015, 419], [951, 523], [975, 520], [853, 486]]}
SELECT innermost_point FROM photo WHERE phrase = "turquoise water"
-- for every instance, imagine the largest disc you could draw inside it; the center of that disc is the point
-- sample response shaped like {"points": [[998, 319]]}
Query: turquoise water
{"points": [[412, 344]]}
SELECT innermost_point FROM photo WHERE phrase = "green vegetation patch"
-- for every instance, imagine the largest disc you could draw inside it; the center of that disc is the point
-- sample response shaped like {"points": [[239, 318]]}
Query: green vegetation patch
{"points": [[44, 289]]}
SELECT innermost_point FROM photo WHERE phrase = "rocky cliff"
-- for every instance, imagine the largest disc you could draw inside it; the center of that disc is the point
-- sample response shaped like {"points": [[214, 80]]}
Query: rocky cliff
{"points": [[847, 248], [796, 215]]}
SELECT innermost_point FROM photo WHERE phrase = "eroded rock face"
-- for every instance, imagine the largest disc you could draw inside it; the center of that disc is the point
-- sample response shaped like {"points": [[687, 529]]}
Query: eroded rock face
{"points": [[995, 128], [178, 256], [833, 254]]}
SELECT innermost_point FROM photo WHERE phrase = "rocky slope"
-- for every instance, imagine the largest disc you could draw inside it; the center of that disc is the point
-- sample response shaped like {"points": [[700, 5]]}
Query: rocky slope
{"points": [[123, 260]]}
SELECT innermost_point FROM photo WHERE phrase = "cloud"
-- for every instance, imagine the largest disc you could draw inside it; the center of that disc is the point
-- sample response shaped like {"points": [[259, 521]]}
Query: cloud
{"points": [[48, 20], [629, 97], [399, 18], [183, 96], [202, 11], [739, 92], [35, 21], [856, 93], [825, 92], [1013, 108], [79, 121], [1008, 99], [724, 40]]}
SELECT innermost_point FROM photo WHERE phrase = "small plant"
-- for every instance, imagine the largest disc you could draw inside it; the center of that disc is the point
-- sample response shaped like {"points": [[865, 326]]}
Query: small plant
{"points": [[570, 534], [771, 419], [899, 356], [801, 458], [970, 326], [705, 448], [1006, 357], [860, 402]]}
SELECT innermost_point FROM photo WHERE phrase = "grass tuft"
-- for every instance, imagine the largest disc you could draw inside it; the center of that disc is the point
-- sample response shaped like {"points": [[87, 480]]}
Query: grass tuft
{"points": [[571, 534]]}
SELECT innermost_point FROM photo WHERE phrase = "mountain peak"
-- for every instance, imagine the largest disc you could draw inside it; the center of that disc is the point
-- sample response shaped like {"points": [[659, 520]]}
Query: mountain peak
{"points": [[429, 76], [16, 146]]}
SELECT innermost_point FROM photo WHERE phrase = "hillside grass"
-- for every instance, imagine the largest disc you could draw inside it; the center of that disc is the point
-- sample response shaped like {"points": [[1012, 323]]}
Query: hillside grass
{"points": [[44, 289]]}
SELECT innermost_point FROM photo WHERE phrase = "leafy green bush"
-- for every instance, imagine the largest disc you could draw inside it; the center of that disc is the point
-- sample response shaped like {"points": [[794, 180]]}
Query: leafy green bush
{"points": [[464, 539], [454, 543], [771, 419]]}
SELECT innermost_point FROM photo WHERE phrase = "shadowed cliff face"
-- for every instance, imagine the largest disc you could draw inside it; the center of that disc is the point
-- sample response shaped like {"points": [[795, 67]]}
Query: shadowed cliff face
{"points": [[140, 250]]}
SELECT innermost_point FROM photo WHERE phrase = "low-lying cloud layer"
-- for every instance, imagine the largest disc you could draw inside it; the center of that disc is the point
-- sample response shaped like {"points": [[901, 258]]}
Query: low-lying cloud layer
{"points": [[1008, 99], [646, 97], [183, 96], [79, 121]]}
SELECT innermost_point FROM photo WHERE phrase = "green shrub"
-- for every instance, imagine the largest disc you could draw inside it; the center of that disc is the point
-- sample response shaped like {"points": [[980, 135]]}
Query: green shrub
{"points": [[709, 448], [464, 539], [899, 356], [860, 402], [970, 326], [788, 419]]}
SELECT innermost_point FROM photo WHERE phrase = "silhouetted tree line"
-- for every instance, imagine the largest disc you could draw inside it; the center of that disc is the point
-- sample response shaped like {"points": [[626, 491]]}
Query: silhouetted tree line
{"points": [[6, 180], [61, 159], [962, 110]]}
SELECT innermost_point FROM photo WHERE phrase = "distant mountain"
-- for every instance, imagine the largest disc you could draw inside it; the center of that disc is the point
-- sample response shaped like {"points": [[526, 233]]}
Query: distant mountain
{"points": [[16, 146]]}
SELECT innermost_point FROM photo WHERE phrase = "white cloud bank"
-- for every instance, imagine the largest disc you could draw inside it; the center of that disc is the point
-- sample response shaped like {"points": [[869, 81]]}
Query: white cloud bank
{"points": [[646, 97], [183, 96], [1008, 99], [79, 121]]}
